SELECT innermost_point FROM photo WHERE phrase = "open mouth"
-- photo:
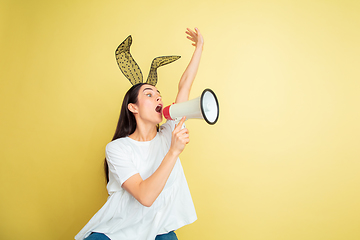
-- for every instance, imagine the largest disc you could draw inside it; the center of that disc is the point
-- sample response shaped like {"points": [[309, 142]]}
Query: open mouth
{"points": [[158, 108]]}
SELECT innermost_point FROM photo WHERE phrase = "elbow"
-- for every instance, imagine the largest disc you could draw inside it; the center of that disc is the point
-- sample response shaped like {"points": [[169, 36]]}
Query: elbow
{"points": [[147, 205], [146, 202]]}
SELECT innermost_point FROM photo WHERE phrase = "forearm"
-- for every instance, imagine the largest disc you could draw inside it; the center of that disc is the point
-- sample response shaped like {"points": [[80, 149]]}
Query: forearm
{"points": [[188, 76], [150, 188]]}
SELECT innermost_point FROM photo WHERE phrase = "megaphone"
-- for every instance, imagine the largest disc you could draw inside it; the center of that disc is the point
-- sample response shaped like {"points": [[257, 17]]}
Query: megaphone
{"points": [[204, 107]]}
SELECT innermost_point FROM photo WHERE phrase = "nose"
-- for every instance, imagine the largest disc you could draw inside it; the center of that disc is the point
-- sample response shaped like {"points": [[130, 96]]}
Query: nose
{"points": [[158, 98]]}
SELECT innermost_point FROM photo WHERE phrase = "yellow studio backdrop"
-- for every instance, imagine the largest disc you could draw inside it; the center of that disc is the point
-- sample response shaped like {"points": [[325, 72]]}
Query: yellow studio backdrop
{"points": [[281, 163]]}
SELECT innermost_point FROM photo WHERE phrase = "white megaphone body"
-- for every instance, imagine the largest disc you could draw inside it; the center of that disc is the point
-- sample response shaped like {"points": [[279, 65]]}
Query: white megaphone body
{"points": [[204, 107]]}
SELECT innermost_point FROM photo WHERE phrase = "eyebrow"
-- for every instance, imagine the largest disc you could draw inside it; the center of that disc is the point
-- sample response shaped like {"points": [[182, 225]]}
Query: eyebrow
{"points": [[151, 90]]}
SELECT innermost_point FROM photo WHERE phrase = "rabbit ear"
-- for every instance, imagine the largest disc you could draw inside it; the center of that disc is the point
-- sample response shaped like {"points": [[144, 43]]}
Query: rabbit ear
{"points": [[127, 64], [158, 62]]}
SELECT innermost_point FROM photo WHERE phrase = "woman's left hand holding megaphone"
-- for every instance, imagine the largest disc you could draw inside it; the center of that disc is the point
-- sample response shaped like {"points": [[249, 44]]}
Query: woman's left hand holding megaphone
{"points": [[180, 137]]}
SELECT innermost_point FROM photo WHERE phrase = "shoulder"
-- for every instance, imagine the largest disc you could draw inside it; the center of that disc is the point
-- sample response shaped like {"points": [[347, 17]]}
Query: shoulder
{"points": [[169, 125], [120, 144]]}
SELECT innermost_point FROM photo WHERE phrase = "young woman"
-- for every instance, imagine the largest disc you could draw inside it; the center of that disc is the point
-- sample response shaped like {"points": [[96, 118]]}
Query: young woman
{"points": [[148, 194]]}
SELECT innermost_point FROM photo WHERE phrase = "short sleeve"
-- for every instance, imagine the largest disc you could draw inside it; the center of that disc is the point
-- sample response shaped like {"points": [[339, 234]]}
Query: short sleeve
{"points": [[166, 130], [119, 159]]}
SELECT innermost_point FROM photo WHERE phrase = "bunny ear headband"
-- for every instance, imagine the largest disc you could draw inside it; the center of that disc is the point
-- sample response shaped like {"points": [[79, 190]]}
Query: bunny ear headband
{"points": [[132, 71]]}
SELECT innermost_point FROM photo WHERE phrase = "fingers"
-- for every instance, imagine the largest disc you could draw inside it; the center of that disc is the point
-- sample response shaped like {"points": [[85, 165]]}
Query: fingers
{"points": [[184, 131], [179, 125], [192, 35], [192, 39], [197, 31], [180, 137], [183, 136], [195, 37], [190, 32]]}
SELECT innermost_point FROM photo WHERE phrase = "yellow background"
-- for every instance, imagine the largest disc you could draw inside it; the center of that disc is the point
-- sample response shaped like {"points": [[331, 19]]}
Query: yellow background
{"points": [[281, 163]]}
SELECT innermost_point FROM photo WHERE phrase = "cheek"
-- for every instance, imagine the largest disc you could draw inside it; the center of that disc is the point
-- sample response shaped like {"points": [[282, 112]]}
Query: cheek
{"points": [[146, 104]]}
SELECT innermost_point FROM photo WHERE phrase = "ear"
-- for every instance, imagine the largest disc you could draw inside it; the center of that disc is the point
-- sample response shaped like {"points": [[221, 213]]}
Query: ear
{"points": [[133, 108]]}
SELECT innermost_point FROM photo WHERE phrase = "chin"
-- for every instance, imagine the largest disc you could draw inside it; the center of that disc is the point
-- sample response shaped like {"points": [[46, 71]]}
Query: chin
{"points": [[156, 119], [160, 120]]}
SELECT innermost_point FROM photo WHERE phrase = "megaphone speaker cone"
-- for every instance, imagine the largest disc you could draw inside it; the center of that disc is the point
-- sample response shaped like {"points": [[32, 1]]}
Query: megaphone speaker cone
{"points": [[209, 106]]}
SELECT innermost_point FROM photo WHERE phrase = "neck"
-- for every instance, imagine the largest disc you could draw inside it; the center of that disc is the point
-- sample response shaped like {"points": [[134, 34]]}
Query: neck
{"points": [[144, 132]]}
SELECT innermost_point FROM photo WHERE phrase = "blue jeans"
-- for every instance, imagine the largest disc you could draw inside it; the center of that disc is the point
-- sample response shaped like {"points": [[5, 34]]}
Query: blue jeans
{"points": [[97, 236], [101, 236], [167, 236]]}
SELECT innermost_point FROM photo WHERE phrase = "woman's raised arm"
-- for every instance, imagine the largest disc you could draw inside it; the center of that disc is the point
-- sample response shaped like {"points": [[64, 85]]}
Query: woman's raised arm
{"points": [[189, 74]]}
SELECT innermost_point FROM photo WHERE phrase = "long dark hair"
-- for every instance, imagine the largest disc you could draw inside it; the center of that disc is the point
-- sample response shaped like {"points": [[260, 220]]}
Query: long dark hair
{"points": [[127, 122]]}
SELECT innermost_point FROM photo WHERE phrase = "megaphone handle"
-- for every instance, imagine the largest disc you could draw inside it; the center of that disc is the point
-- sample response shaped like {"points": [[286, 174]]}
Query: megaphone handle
{"points": [[177, 120]]}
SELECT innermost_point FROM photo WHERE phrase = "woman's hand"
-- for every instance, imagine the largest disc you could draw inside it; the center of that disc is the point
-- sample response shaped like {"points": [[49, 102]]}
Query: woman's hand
{"points": [[180, 137], [195, 37]]}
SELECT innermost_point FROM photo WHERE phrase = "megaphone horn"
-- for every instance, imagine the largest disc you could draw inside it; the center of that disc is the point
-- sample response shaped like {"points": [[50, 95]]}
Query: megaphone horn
{"points": [[204, 107]]}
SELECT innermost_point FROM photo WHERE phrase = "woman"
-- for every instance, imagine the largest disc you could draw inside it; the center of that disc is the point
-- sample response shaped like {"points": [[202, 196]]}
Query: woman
{"points": [[148, 194]]}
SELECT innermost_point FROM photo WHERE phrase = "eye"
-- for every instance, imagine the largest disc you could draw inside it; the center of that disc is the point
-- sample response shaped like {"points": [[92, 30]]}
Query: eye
{"points": [[148, 94]]}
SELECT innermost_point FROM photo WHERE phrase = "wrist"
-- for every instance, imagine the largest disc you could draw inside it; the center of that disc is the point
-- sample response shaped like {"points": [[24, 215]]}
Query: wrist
{"points": [[199, 47], [173, 154]]}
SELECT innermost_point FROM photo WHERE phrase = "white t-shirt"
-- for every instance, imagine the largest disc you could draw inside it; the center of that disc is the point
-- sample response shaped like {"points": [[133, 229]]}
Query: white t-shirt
{"points": [[122, 217]]}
